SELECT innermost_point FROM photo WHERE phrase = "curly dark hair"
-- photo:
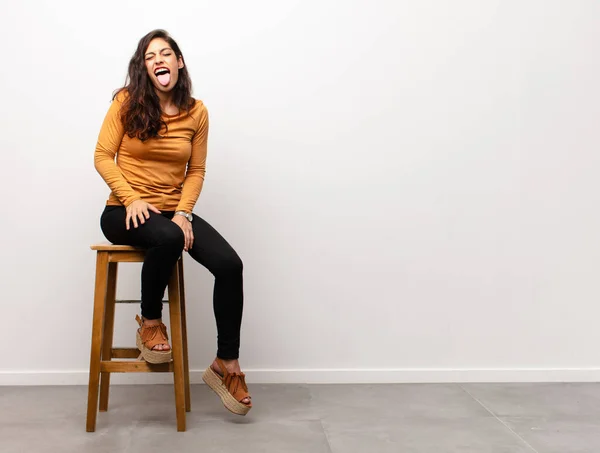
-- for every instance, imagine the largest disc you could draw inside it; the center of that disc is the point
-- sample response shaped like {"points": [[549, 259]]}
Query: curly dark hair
{"points": [[141, 112]]}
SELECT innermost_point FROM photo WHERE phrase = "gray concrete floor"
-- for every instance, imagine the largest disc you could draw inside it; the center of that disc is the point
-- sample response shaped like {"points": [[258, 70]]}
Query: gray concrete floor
{"points": [[400, 418]]}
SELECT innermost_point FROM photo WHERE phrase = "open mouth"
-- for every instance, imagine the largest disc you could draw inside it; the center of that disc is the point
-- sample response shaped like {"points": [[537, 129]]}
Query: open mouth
{"points": [[163, 75]]}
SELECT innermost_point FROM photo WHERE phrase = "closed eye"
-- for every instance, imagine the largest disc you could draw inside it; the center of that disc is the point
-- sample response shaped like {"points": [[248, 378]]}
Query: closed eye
{"points": [[151, 54]]}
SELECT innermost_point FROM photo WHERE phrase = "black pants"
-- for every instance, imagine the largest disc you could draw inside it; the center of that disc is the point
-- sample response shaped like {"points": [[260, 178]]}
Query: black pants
{"points": [[164, 242]]}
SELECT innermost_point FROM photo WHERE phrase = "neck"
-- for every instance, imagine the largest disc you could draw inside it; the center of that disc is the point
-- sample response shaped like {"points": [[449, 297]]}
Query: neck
{"points": [[166, 100]]}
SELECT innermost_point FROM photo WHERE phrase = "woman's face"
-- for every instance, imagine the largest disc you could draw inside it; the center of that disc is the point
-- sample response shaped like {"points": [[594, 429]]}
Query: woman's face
{"points": [[162, 65]]}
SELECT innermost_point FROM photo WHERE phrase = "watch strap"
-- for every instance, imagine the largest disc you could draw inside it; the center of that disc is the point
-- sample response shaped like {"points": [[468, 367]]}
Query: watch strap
{"points": [[187, 215]]}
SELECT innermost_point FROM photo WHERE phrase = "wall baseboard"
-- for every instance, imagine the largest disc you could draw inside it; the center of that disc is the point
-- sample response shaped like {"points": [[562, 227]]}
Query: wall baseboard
{"points": [[322, 376]]}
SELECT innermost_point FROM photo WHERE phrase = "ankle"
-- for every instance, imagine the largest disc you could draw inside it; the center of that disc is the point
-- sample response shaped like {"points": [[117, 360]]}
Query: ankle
{"points": [[151, 322], [228, 362], [232, 366]]}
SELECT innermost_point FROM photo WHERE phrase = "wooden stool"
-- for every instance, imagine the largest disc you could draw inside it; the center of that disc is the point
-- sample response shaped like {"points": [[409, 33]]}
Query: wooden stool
{"points": [[101, 365]]}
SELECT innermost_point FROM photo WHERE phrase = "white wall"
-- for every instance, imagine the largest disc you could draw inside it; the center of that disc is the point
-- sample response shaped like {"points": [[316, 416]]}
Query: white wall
{"points": [[412, 186]]}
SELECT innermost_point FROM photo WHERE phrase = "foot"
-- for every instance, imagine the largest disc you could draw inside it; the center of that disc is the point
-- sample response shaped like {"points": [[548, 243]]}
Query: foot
{"points": [[156, 322], [233, 366]]}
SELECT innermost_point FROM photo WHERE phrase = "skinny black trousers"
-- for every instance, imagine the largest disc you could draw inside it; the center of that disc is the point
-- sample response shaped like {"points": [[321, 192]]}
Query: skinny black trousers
{"points": [[164, 241]]}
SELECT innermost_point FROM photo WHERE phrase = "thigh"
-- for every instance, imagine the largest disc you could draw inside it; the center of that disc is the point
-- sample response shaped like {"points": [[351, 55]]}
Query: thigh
{"points": [[156, 230], [210, 248]]}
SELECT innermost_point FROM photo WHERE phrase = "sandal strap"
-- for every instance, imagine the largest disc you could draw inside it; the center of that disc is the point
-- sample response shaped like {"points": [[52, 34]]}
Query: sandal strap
{"points": [[152, 335], [235, 382]]}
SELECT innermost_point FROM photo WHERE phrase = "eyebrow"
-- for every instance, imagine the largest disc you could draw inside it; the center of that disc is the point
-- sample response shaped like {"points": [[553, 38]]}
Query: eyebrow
{"points": [[166, 48]]}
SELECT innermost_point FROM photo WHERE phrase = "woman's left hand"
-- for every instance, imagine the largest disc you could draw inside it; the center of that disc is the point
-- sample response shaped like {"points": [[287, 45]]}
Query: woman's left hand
{"points": [[188, 232]]}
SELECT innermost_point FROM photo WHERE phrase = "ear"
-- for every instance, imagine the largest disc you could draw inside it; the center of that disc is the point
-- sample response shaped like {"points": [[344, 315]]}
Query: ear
{"points": [[180, 64]]}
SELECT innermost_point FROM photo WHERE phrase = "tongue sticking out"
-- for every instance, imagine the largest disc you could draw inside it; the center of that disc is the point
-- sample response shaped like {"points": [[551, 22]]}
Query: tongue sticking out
{"points": [[164, 79]]}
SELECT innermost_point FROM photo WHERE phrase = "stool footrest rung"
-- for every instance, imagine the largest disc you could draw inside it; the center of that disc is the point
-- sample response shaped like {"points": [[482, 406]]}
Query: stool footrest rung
{"points": [[138, 366], [134, 301]]}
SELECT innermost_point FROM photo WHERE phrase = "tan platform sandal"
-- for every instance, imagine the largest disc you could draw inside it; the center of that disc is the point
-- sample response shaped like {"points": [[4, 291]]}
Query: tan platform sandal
{"points": [[149, 336], [231, 388]]}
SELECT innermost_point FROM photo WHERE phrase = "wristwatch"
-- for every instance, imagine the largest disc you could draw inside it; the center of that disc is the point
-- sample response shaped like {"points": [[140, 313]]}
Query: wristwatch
{"points": [[187, 215]]}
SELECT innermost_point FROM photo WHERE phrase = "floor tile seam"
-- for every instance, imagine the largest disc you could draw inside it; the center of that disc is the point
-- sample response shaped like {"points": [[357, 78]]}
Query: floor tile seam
{"points": [[311, 405], [499, 420], [552, 417], [329, 447]]}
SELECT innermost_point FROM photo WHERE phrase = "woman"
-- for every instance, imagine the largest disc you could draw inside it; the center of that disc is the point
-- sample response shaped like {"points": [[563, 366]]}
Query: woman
{"points": [[159, 132]]}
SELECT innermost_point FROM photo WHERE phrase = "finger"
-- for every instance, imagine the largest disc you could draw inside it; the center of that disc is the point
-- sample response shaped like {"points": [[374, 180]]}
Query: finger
{"points": [[134, 220], [127, 218], [146, 213], [141, 217], [152, 208]]}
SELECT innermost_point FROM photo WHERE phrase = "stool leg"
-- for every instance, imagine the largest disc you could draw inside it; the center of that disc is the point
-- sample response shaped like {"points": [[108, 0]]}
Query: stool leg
{"points": [[109, 327], [96, 349], [186, 366], [175, 315]]}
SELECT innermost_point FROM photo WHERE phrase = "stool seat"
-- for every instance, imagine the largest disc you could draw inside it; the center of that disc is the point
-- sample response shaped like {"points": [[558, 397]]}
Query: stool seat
{"points": [[118, 253], [108, 256], [108, 247]]}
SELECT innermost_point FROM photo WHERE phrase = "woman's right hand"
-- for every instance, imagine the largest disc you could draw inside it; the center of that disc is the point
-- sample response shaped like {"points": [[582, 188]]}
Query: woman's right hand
{"points": [[138, 210]]}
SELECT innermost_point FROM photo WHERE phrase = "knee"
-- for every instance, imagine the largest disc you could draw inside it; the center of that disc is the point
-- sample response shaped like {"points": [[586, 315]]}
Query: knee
{"points": [[172, 238], [228, 265]]}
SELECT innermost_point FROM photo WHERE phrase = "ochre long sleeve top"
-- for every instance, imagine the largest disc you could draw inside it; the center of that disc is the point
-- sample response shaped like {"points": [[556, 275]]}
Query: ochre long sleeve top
{"points": [[167, 172]]}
